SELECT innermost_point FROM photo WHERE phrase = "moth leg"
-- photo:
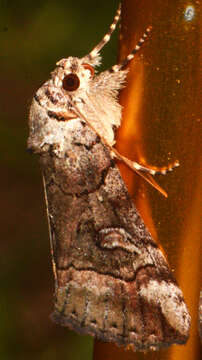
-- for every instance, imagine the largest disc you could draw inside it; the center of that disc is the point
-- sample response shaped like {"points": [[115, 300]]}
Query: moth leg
{"points": [[50, 233], [146, 172], [153, 170]]}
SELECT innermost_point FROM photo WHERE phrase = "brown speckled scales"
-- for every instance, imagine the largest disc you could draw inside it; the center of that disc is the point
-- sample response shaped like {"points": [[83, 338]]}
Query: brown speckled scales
{"points": [[99, 283], [111, 279]]}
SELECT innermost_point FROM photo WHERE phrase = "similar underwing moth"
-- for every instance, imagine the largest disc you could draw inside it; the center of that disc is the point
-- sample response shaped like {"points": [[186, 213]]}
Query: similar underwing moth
{"points": [[111, 279]]}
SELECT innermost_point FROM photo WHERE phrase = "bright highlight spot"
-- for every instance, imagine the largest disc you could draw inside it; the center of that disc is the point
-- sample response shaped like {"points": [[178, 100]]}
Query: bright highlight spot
{"points": [[189, 13]]}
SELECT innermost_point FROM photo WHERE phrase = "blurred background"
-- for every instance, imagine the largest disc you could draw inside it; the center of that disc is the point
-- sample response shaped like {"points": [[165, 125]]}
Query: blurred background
{"points": [[33, 37]]}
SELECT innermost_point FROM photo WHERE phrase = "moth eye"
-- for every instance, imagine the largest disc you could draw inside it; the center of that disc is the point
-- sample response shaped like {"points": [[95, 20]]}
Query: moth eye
{"points": [[90, 68], [70, 82]]}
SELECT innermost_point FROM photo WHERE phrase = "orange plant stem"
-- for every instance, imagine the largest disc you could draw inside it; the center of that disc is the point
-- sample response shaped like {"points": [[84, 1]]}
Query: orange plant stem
{"points": [[160, 124]]}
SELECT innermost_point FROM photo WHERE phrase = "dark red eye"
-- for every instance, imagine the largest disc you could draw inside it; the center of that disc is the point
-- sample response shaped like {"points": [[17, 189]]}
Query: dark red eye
{"points": [[71, 82], [90, 68]]}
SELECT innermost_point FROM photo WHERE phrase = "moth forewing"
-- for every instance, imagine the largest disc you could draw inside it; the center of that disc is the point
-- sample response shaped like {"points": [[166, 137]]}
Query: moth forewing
{"points": [[112, 281]]}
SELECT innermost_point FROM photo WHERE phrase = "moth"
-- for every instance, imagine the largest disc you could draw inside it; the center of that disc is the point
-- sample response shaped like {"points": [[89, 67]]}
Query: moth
{"points": [[111, 279]]}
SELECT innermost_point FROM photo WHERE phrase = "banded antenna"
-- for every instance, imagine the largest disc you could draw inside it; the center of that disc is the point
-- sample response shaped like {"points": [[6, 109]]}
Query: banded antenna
{"points": [[123, 63], [94, 53]]}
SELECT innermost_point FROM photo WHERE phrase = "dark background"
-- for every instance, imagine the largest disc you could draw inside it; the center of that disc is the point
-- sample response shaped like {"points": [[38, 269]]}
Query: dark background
{"points": [[33, 36]]}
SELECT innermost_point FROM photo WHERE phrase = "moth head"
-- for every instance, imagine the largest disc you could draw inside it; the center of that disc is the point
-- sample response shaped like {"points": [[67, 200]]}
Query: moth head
{"points": [[72, 74]]}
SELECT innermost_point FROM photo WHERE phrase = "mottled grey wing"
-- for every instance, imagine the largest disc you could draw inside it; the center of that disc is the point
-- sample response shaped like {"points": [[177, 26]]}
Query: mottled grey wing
{"points": [[112, 281]]}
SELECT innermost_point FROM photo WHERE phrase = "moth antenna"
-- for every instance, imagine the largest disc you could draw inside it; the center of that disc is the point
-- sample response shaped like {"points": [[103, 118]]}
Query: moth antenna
{"points": [[106, 37], [118, 67]]}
